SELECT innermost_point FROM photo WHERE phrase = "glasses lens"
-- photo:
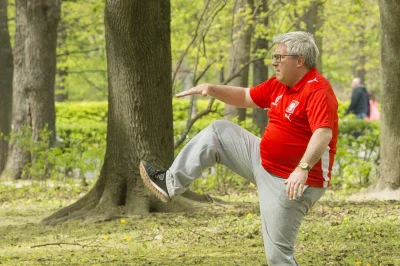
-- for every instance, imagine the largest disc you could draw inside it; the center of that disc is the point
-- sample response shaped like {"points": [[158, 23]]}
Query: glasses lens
{"points": [[276, 57]]}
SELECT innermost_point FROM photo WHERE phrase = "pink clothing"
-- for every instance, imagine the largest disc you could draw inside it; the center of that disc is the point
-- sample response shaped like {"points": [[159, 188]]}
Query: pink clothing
{"points": [[373, 111]]}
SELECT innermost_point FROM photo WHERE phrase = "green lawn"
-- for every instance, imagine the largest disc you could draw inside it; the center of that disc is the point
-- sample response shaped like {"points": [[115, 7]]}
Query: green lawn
{"points": [[336, 232]]}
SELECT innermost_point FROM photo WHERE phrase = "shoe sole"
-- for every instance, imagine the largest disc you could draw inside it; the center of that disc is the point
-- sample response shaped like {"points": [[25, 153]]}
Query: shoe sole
{"points": [[156, 190]]}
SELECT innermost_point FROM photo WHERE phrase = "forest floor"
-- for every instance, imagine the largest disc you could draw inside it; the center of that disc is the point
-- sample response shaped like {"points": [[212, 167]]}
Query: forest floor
{"points": [[335, 232]]}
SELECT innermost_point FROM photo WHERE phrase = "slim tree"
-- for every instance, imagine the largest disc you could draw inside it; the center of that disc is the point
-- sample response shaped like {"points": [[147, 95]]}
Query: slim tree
{"points": [[260, 70], [6, 76], [240, 52], [389, 168], [314, 21]]}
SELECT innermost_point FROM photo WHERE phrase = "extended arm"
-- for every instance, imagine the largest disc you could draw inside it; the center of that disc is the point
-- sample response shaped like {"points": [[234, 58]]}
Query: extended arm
{"points": [[316, 147], [236, 96]]}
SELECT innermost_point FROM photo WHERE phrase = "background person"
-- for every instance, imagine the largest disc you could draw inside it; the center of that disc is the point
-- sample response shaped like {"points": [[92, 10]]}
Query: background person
{"points": [[374, 113], [291, 164], [359, 104]]}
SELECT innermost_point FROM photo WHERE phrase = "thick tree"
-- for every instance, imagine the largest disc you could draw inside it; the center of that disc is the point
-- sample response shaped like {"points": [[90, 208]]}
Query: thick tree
{"points": [[34, 77], [6, 76], [389, 168], [140, 112]]}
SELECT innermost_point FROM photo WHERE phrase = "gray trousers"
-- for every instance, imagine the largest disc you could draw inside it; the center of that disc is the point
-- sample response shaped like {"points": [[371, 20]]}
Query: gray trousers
{"points": [[229, 144]]}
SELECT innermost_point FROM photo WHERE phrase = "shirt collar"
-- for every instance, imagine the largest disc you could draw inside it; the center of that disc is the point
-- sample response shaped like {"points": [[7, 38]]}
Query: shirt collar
{"points": [[308, 76]]}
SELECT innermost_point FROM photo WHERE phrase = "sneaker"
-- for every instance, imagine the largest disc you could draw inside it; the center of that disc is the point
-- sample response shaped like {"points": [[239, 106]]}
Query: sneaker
{"points": [[155, 180]]}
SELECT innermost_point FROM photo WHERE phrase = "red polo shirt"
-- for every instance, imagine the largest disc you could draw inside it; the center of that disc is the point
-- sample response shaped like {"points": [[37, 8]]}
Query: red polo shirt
{"points": [[294, 114]]}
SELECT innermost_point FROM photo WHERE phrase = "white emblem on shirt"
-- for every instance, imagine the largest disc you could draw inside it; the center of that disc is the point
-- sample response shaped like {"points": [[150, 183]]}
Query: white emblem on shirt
{"points": [[290, 109], [277, 99], [312, 80], [292, 106]]}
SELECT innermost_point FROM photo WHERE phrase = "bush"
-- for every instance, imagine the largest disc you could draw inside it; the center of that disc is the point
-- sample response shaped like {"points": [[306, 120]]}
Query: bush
{"points": [[81, 141], [357, 157], [81, 137]]}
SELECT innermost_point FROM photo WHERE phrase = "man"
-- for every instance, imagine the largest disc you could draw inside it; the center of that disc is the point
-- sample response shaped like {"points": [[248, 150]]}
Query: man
{"points": [[359, 104], [291, 164]]}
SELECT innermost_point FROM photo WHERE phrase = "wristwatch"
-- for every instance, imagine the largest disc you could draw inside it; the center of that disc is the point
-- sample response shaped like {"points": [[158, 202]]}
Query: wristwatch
{"points": [[305, 166]]}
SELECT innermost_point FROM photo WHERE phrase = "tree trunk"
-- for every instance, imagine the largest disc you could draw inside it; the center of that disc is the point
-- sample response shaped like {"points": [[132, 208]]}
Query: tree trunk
{"points": [[34, 77], [361, 58], [239, 54], [260, 70], [389, 168], [61, 93], [6, 76], [140, 112], [314, 21]]}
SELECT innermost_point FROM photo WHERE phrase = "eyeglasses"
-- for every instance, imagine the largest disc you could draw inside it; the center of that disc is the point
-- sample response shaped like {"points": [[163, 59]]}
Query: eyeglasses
{"points": [[278, 57]]}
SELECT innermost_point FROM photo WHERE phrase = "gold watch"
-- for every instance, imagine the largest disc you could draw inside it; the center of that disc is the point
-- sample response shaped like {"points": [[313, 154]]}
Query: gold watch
{"points": [[305, 166]]}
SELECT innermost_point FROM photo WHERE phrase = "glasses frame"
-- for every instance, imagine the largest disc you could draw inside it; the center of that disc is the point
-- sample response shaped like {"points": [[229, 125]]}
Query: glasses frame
{"points": [[278, 57]]}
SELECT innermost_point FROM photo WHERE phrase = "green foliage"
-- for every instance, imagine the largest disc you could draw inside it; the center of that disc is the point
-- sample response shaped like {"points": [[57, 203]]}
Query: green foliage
{"points": [[41, 157], [81, 112], [351, 32], [357, 157], [81, 142], [82, 148], [81, 131], [81, 50], [356, 161], [181, 114], [201, 35]]}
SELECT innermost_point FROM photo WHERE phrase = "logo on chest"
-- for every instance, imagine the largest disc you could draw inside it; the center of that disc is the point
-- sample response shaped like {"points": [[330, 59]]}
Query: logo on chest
{"points": [[290, 109], [277, 99]]}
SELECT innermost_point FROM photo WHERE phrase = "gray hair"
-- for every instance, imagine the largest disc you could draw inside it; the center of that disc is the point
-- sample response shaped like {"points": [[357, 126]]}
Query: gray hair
{"points": [[300, 43], [356, 82]]}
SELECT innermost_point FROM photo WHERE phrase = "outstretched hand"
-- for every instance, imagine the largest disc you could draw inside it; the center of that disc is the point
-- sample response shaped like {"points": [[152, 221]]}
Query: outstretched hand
{"points": [[200, 89]]}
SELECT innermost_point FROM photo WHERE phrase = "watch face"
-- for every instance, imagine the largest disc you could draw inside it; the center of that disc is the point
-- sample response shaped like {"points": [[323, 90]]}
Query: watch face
{"points": [[304, 166]]}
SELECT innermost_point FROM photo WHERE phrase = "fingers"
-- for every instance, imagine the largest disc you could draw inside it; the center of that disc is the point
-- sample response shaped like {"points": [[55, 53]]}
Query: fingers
{"points": [[196, 90], [294, 189], [189, 92], [184, 93]]}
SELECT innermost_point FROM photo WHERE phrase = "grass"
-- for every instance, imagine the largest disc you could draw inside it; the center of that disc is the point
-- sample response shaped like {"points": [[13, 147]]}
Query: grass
{"points": [[336, 232]]}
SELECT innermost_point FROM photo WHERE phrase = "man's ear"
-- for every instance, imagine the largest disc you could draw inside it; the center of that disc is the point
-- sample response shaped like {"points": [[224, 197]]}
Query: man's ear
{"points": [[300, 61]]}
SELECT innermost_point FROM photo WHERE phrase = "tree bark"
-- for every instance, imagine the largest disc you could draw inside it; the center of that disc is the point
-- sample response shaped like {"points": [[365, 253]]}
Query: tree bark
{"points": [[140, 113], [314, 22], [260, 70], [34, 77], [239, 54], [61, 93], [361, 57], [389, 167], [6, 77]]}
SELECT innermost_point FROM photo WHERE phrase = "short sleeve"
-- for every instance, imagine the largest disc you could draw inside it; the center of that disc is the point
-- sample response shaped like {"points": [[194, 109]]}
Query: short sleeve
{"points": [[261, 94], [322, 109]]}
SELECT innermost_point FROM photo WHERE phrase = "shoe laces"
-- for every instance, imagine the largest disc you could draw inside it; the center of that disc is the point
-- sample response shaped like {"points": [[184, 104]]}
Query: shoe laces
{"points": [[158, 174]]}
